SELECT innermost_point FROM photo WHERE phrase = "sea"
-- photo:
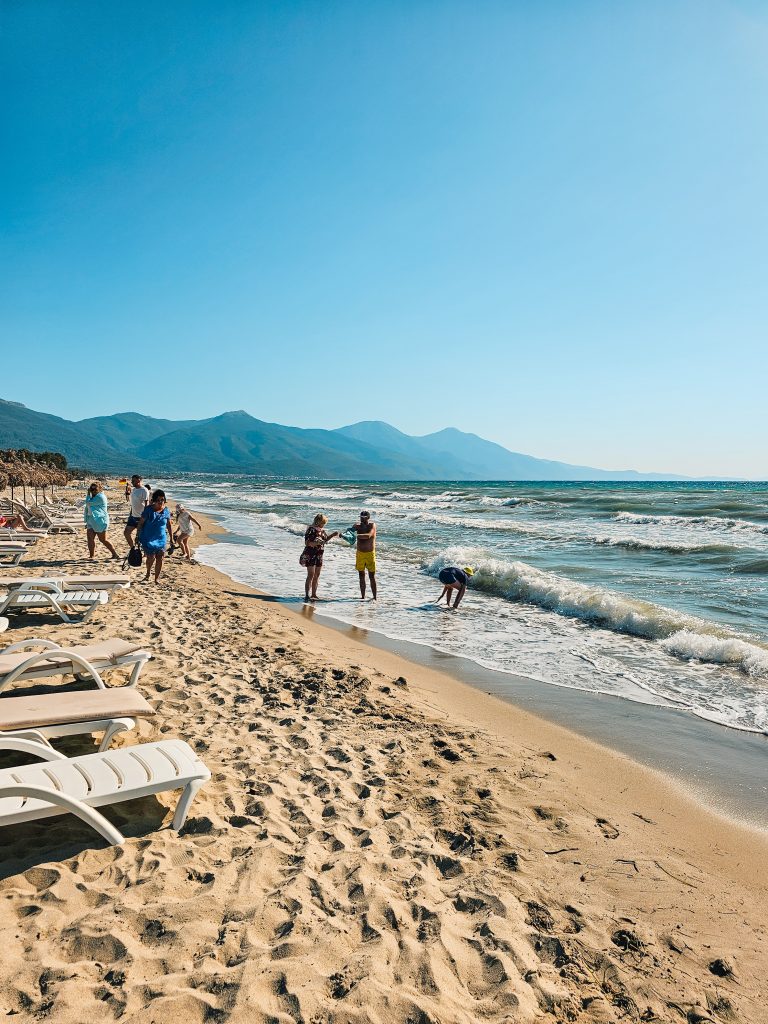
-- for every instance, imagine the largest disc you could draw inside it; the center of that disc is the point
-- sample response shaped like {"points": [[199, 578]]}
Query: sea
{"points": [[651, 592]]}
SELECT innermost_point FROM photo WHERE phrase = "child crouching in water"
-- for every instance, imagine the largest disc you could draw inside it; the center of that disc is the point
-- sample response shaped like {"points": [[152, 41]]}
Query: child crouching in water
{"points": [[185, 520]]}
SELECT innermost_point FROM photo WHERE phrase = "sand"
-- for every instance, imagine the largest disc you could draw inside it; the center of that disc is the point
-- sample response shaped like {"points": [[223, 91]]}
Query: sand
{"points": [[377, 843]]}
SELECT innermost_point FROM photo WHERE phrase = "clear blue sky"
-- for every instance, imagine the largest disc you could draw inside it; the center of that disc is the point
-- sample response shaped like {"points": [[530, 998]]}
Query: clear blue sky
{"points": [[545, 222]]}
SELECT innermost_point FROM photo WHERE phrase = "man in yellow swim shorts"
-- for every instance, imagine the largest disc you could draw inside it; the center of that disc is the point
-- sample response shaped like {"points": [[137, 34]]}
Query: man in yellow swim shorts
{"points": [[365, 558]]}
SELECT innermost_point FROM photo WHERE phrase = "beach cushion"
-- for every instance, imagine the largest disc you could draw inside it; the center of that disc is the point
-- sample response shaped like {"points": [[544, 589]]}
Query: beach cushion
{"points": [[106, 652], [38, 710], [67, 582]]}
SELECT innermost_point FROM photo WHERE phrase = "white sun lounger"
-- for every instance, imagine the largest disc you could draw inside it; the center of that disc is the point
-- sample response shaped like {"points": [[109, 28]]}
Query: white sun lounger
{"points": [[49, 596], [51, 521], [80, 784], [74, 713], [20, 663], [106, 582], [12, 554], [3, 624], [9, 535]]}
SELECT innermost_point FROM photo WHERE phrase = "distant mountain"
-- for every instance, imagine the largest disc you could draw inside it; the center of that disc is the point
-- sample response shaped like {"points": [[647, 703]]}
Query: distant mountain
{"points": [[125, 430], [236, 442], [21, 427], [466, 456]]}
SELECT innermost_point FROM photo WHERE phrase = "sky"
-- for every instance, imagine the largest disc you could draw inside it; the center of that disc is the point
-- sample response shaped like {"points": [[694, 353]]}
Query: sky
{"points": [[542, 221]]}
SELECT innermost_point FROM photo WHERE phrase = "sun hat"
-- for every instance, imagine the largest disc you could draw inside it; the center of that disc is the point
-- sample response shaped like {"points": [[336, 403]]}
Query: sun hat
{"points": [[469, 570]]}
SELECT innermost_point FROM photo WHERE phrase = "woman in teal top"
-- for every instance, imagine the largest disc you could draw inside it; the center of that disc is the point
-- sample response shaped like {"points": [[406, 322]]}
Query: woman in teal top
{"points": [[154, 527], [97, 519]]}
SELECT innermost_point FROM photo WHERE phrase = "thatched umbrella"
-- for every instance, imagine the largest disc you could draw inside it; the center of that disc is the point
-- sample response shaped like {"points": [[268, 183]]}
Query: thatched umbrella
{"points": [[12, 470]]}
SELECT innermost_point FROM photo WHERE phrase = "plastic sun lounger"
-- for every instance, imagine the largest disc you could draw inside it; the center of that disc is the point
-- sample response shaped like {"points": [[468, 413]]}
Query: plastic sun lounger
{"points": [[74, 713], [113, 582], [49, 596], [20, 662], [51, 521], [8, 534], [13, 554], [80, 784]]}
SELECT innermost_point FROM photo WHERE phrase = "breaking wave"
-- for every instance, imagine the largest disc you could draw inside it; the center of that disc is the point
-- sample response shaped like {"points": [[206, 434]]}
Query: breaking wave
{"points": [[518, 581], [709, 522], [284, 523], [668, 547], [690, 646]]}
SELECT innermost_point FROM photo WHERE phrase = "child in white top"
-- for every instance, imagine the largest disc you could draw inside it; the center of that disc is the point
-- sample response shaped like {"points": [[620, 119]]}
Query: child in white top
{"points": [[185, 520]]}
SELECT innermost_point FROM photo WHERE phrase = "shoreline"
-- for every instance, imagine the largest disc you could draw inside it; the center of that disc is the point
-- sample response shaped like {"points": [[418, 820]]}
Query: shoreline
{"points": [[725, 770], [378, 842]]}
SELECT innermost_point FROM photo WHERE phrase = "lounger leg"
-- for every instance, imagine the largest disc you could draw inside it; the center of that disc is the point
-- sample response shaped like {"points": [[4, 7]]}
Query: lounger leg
{"points": [[87, 814], [115, 726], [58, 608], [135, 673], [185, 800], [88, 612]]}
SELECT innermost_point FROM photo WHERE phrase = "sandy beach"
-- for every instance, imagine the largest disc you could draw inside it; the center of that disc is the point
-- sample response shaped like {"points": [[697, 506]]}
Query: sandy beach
{"points": [[378, 843]]}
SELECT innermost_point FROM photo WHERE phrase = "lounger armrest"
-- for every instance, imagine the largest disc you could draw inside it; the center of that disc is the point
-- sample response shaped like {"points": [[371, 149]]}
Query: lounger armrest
{"points": [[85, 667], [36, 735], [25, 645], [68, 803], [41, 585], [27, 746]]}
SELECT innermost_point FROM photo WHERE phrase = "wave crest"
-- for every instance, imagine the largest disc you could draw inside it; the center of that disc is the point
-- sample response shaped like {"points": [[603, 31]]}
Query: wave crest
{"points": [[709, 522], [518, 581]]}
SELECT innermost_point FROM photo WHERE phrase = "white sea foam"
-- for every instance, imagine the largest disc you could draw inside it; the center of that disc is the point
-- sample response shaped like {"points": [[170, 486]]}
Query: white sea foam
{"points": [[709, 522], [749, 658], [670, 547], [518, 581], [285, 523]]}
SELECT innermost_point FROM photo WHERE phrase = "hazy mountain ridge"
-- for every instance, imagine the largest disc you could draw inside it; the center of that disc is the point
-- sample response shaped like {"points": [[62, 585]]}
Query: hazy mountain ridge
{"points": [[236, 442]]}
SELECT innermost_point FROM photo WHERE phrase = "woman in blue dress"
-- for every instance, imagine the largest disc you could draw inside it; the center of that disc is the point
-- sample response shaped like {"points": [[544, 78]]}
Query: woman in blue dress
{"points": [[154, 528], [97, 519]]}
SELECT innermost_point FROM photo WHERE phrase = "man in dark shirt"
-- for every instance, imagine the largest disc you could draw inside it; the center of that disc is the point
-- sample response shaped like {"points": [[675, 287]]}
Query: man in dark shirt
{"points": [[452, 579]]}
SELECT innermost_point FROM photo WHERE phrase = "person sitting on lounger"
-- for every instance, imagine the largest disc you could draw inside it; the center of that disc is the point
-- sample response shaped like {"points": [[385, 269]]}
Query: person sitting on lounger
{"points": [[14, 522]]}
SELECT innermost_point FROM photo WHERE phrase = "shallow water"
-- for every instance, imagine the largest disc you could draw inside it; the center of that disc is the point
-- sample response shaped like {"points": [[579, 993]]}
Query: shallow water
{"points": [[653, 592]]}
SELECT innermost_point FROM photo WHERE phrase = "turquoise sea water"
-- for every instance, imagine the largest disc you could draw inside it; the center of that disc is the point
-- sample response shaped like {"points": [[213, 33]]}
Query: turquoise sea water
{"points": [[653, 592]]}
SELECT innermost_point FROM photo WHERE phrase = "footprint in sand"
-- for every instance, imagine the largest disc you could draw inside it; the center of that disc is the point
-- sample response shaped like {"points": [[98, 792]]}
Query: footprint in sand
{"points": [[609, 831], [42, 878]]}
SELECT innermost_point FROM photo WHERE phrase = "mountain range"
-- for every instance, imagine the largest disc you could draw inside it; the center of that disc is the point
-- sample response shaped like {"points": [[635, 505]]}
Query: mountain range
{"points": [[236, 442]]}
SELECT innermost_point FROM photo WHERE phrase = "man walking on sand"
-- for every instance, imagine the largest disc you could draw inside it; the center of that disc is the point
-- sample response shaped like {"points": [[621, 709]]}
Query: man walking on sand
{"points": [[365, 559], [139, 501]]}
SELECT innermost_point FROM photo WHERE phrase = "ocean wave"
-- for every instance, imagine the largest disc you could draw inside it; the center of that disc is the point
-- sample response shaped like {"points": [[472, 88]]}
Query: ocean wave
{"points": [[507, 502], [755, 567], [284, 523], [710, 522], [668, 547], [518, 581], [691, 646], [476, 523]]}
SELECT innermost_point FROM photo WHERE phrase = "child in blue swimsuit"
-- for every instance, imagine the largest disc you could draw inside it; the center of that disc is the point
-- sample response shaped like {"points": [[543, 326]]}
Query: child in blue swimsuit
{"points": [[154, 528]]}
